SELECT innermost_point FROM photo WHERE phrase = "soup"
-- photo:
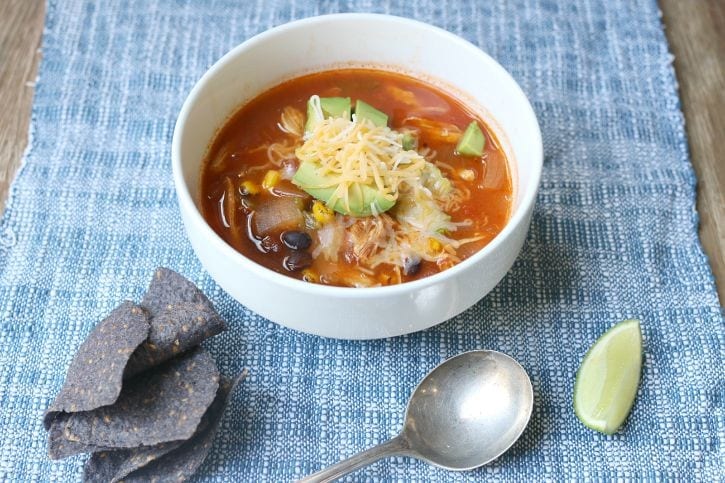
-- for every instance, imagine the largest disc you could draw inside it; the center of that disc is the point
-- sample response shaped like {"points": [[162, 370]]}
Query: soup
{"points": [[356, 177]]}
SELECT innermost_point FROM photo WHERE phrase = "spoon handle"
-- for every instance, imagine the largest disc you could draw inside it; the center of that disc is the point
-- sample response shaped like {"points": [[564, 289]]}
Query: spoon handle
{"points": [[396, 446]]}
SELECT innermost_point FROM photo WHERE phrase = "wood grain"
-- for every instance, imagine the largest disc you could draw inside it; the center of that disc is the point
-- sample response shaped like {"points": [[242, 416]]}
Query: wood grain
{"points": [[695, 30], [21, 26]]}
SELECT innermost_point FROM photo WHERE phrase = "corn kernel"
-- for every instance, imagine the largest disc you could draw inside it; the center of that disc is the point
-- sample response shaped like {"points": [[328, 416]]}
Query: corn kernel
{"points": [[250, 187], [434, 245], [270, 179], [309, 275], [322, 213], [385, 278]]}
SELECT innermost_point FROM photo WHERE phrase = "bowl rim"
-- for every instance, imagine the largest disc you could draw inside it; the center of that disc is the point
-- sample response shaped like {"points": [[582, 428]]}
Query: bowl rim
{"points": [[187, 204]]}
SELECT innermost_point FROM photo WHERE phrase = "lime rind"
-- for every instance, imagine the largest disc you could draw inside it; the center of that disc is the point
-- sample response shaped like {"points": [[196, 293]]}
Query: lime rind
{"points": [[608, 378]]}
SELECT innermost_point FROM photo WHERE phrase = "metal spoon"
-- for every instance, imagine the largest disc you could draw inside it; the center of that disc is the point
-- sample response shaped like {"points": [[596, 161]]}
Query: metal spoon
{"points": [[465, 413]]}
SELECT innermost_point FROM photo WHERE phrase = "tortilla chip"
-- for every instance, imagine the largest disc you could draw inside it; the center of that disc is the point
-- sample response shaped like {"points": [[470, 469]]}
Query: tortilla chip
{"points": [[181, 317], [160, 405], [164, 462], [168, 288], [95, 376], [112, 466]]}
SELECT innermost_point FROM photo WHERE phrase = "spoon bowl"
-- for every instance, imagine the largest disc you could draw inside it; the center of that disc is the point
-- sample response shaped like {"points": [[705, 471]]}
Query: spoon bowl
{"points": [[465, 413], [469, 410]]}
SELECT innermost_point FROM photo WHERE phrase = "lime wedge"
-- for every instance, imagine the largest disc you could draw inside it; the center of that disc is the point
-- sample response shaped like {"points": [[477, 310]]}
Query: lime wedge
{"points": [[607, 380]]}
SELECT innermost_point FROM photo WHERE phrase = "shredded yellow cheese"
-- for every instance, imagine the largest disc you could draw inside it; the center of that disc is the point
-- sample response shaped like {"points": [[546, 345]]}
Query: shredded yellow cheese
{"points": [[349, 152]]}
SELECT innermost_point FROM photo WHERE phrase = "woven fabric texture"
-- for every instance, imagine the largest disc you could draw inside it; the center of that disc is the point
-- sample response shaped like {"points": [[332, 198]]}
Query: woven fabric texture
{"points": [[93, 212]]}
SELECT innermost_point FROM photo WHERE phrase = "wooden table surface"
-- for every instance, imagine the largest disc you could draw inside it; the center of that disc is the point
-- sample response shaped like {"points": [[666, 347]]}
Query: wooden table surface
{"points": [[695, 29]]}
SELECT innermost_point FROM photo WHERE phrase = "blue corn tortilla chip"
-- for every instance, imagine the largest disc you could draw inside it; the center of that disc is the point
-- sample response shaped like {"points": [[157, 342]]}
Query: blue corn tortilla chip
{"points": [[181, 317], [157, 406], [169, 288], [113, 466], [164, 462], [95, 375], [181, 463]]}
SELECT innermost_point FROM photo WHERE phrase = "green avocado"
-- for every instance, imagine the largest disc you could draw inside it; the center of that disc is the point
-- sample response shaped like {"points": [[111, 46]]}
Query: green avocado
{"points": [[313, 117], [363, 110], [472, 141], [362, 197], [330, 107], [336, 107]]}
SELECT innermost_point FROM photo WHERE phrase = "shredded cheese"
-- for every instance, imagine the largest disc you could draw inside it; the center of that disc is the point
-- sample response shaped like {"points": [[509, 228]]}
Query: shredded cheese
{"points": [[356, 152]]}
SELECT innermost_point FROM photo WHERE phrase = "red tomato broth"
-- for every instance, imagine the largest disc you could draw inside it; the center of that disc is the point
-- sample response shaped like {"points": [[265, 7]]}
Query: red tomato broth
{"points": [[236, 149]]}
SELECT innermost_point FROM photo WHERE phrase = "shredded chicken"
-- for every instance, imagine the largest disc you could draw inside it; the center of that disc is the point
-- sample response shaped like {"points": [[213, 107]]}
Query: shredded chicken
{"points": [[437, 130], [278, 152], [368, 235], [403, 95], [453, 202], [292, 121]]}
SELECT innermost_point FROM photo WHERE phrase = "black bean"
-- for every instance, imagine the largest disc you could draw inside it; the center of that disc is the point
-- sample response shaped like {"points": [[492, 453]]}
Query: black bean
{"points": [[411, 266], [296, 240], [297, 261]]}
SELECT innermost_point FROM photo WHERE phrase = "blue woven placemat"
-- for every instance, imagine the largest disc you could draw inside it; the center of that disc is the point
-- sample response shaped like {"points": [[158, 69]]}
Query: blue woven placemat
{"points": [[614, 235]]}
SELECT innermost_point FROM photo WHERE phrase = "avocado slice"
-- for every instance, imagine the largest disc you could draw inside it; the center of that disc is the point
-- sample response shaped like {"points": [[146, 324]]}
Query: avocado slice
{"points": [[336, 107], [330, 107], [313, 116], [362, 196], [363, 110], [472, 141]]}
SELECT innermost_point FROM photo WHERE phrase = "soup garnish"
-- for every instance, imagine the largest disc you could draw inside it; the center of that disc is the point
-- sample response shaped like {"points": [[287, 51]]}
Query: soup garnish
{"points": [[356, 177]]}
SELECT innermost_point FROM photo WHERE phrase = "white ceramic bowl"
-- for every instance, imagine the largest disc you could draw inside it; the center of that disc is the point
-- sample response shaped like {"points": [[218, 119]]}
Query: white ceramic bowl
{"points": [[330, 41]]}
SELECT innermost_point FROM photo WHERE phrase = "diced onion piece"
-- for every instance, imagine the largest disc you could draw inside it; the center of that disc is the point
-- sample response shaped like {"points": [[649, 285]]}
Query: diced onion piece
{"points": [[277, 214], [330, 238], [467, 174], [495, 175], [288, 169]]}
